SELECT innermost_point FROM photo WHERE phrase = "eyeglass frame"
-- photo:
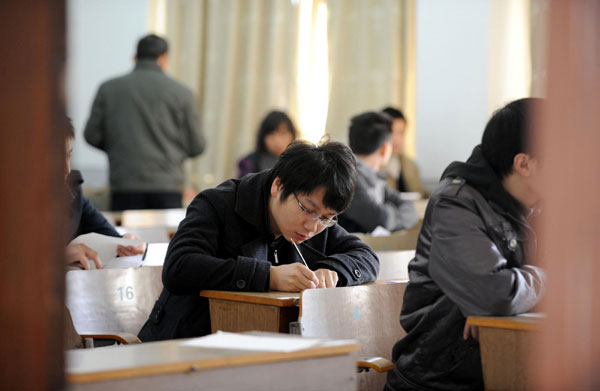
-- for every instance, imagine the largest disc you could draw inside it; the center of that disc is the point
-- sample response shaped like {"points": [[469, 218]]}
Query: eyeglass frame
{"points": [[323, 221]]}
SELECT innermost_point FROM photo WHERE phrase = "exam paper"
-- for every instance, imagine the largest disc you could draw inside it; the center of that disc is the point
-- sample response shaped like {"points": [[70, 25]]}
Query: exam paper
{"points": [[106, 247], [224, 340]]}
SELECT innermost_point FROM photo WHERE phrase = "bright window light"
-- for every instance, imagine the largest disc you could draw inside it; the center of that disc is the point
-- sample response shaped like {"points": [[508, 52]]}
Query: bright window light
{"points": [[313, 78]]}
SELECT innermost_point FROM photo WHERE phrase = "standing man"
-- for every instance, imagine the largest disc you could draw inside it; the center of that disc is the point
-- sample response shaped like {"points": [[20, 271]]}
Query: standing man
{"points": [[273, 230], [374, 203], [148, 124], [473, 257]]}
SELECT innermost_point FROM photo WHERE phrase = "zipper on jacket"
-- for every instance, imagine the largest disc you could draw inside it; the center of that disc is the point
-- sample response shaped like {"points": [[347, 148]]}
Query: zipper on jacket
{"points": [[276, 259]]}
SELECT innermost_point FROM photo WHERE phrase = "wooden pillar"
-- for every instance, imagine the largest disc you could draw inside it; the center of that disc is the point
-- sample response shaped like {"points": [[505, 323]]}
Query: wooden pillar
{"points": [[32, 50], [567, 355]]}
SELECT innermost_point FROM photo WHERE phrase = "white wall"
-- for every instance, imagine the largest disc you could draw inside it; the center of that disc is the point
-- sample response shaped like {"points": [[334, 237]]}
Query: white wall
{"points": [[452, 81], [101, 40]]}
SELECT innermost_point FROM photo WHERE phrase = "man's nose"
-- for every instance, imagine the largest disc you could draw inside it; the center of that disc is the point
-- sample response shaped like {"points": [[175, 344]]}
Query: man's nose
{"points": [[312, 225]]}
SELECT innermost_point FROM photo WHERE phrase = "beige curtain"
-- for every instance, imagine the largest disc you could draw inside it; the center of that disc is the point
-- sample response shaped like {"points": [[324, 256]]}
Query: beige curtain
{"points": [[239, 58], [242, 59], [509, 59], [371, 61]]}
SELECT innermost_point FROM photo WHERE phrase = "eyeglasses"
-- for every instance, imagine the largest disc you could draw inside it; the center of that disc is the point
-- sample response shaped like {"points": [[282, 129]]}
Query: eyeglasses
{"points": [[323, 221]]}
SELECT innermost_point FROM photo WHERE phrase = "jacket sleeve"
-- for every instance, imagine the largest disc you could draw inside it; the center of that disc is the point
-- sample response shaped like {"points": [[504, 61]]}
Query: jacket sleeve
{"points": [[94, 221], [393, 214], [95, 129], [192, 263], [405, 215], [351, 258], [467, 265], [195, 141]]}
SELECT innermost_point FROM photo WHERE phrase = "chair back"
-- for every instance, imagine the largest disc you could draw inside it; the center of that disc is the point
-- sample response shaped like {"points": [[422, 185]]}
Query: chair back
{"points": [[112, 300]]}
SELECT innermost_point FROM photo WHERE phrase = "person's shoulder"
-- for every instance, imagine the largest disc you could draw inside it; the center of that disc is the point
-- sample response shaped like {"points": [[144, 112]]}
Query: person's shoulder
{"points": [[175, 86]]}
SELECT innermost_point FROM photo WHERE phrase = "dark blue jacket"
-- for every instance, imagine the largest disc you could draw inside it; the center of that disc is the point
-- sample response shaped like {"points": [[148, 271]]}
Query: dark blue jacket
{"points": [[224, 243], [83, 217]]}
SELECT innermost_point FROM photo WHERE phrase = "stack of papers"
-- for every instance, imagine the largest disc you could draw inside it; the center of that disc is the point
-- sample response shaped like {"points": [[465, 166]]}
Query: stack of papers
{"points": [[259, 343]]}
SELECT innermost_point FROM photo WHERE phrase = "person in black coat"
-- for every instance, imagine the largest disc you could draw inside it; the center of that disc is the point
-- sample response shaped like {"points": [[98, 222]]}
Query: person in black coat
{"points": [[84, 218], [240, 236]]}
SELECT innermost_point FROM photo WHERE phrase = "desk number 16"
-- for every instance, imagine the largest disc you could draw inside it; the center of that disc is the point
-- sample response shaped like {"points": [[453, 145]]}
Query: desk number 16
{"points": [[128, 292]]}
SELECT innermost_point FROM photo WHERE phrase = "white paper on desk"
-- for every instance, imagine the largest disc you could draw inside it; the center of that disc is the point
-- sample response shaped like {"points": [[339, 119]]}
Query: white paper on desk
{"points": [[105, 246], [155, 254], [380, 231], [233, 341]]}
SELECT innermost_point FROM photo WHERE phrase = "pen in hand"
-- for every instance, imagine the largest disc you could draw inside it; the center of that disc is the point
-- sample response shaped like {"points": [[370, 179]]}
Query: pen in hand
{"points": [[299, 253]]}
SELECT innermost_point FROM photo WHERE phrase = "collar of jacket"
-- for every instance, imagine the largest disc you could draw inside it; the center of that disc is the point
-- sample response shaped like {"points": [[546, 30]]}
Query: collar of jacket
{"points": [[252, 200], [479, 174], [367, 172], [148, 65]]}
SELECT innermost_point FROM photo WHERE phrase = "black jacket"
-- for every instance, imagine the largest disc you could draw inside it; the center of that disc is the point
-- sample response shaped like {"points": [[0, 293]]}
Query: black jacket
{"points": [[83, 217], [471, 259], [224, 243]]}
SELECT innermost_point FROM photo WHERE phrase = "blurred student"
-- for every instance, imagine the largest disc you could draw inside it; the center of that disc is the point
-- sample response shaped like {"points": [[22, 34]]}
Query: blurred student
{"points": [[242, 236], [402, 171], [374, 203], [84, 218], [275, 133], [148, 124], [473, 257]]}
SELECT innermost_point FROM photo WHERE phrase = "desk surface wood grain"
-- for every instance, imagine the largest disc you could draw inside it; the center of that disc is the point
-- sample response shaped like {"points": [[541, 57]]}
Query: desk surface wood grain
{"points": [[167, 357], [277, 299]]}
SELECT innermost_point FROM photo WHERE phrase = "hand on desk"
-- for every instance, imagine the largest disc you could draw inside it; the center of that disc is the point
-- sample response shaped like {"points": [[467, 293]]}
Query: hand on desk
{"points": [[79, 254], [472, 330], [327, 278], [296, 277], [127, 251]]}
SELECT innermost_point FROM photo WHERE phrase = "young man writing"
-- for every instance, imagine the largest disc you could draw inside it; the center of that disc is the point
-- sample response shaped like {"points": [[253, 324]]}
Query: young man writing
{"points": [[241, 236], [473, 257]]}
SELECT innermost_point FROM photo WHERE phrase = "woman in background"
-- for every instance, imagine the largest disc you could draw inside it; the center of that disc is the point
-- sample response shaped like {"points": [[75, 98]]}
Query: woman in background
{"points": [[275, 133]]}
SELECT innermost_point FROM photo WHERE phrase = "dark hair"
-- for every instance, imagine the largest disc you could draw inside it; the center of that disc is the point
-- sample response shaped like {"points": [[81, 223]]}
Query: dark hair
{"points": [[151, 47], [303, 167], [394, 113], [507, 134], [68, 129], [269, 124], [369, 131]]}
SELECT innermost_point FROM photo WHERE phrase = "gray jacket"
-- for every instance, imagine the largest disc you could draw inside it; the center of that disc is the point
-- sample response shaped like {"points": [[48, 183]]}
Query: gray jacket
{"points": [[148, 124], [376, 204], [472, 259]]}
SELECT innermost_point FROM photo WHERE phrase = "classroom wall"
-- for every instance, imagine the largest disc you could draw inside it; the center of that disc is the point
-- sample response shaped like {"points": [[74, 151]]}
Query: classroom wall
{"points": [[101, 39], [452, 81]]}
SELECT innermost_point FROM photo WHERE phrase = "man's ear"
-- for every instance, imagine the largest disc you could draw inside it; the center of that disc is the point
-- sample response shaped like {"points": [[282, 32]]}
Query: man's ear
{"points": [[276, 187], [524, 164]]}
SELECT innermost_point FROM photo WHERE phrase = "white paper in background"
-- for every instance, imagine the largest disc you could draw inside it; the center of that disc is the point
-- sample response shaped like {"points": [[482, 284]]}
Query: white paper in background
{"points": [[105, 246], [155, 254], [224, 340], [410, 196], [122, 262], [380, 231]]}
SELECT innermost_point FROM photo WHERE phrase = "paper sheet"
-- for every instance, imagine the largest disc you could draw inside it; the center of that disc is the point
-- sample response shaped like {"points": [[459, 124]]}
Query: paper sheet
{"points": [[155, 255], [224, 340], [380, 231], [105, 246]]}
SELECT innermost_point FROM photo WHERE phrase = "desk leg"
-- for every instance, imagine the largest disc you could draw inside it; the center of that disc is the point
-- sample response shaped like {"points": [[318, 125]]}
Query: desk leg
{"points": [[234, 316]]}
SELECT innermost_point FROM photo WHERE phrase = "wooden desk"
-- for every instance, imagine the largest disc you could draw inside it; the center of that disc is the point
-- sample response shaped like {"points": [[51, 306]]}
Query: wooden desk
{"points": [[169, 365], [504, 343], [246, 311]]}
